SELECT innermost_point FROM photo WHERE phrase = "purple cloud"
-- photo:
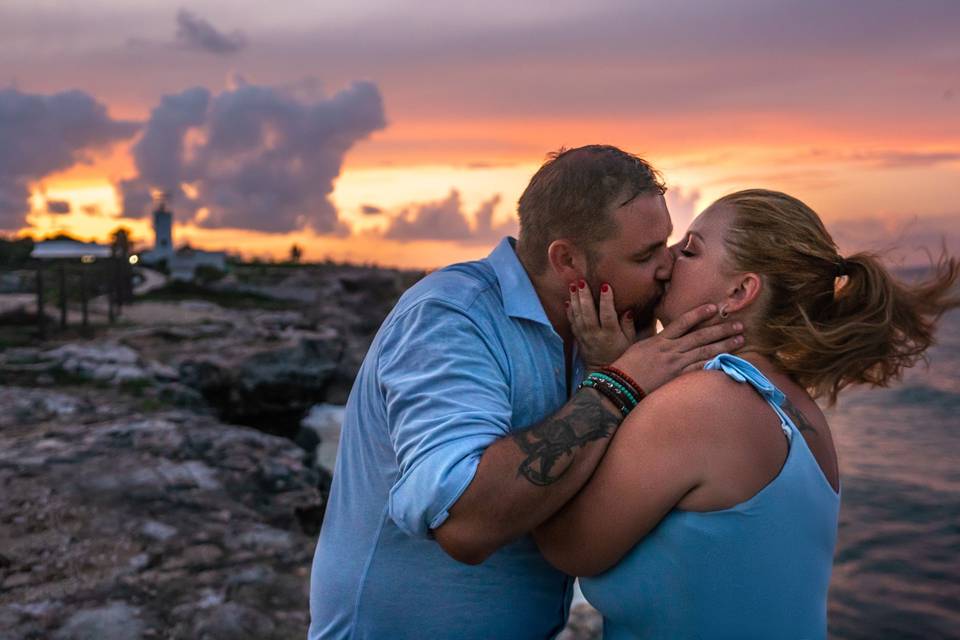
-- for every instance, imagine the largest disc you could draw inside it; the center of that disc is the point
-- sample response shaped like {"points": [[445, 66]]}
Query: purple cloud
{"points": [[261, 159], [159, 153], [58, 206], [446, 220], [43, 134], [909, 240], [193, 32], [484, 229]]}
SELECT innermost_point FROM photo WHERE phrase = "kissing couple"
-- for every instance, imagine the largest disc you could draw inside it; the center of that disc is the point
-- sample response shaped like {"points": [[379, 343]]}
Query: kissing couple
{"points": [[518, 421]]}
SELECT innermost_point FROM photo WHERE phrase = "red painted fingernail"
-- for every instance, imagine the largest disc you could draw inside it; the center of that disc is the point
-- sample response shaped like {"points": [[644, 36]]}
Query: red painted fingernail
{"points": [[629, 315], [604, 288], [573, 288], [566, 303], [582, 284]]}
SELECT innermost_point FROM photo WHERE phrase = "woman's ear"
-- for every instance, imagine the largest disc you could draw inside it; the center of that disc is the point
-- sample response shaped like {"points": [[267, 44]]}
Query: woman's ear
{"points": [[566, 260], [747, 290]]}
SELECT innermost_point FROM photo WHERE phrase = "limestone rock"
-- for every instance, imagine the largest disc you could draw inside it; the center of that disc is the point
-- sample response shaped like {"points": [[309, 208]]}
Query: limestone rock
{"points": [[117, 621], [320, 434], [153, 525], [271, 388], [233, 621]]}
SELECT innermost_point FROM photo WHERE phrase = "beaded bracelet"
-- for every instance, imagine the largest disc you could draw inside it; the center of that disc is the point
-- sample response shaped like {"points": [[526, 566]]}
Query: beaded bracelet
{"points": [[626, 380], [607, 392], [625, 389], [613, 390]]}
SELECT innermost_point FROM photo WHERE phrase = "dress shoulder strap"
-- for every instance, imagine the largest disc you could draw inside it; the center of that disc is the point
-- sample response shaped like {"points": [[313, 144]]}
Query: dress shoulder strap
{"points": [[744, 372]]}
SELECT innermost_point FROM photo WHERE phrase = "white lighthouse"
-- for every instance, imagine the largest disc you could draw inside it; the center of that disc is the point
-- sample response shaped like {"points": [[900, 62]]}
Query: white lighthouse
{"points": [[162, 231], [181, 264]]}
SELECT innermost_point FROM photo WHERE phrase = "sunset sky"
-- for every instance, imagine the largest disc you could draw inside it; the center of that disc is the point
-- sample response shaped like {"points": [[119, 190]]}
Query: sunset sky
{"points": [[403, 133]]}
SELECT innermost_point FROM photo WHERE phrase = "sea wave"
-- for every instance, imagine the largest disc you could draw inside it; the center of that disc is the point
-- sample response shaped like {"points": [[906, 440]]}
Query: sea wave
{"points": [[896, 570]]}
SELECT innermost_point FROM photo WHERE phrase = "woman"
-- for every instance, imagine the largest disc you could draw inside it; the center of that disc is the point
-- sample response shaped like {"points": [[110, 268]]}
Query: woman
{"points": [[714, 511]]}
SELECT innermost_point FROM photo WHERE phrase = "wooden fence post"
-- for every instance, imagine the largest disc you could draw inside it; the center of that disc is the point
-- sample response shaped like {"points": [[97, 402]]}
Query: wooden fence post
{"points": [[41, 314], [63, 295]]}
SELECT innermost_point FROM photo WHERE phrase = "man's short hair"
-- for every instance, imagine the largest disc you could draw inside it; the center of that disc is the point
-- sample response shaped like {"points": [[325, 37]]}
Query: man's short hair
{"points": [[573, 196]]}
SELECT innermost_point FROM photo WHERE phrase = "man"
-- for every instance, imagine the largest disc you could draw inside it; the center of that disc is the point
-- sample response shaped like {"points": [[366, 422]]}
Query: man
{"points": [[464, 429]]}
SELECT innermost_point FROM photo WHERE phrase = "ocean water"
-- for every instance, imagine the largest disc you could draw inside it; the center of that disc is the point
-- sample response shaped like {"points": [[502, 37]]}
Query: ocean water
{"points": [[897, 566]]}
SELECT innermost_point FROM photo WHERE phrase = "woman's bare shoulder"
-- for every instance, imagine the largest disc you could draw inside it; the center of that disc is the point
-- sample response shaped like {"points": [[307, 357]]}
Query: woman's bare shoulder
{"points": [[697, 392], [719, 426], [686, 410]]}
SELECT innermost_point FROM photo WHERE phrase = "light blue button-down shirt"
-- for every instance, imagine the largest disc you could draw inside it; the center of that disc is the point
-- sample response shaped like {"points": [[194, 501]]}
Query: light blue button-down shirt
{"points": [[466, 357]]}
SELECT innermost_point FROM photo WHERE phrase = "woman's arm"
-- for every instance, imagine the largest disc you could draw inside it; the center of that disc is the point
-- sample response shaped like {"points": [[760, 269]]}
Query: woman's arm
{"points": [[656, 458]]}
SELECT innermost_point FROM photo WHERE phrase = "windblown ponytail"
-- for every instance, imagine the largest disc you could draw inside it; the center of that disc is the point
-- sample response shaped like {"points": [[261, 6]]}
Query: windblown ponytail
{"points": [[828, 321]]}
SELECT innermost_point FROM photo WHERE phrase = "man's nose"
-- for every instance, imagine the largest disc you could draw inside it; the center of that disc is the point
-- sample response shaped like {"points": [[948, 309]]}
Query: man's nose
{"points": [[665, 268]]}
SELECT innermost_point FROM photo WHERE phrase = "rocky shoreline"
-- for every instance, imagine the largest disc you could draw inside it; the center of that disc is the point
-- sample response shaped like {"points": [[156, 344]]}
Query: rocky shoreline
{"points": [[167, 477], [119, 524]]}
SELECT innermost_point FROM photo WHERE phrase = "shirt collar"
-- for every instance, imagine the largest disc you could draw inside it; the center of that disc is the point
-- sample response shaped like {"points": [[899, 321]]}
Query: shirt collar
{"points": [[520, 299]]}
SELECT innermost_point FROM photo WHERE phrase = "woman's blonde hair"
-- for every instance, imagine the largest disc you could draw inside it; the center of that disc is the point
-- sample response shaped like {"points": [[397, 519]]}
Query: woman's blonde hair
{"points": [[830, 321]]}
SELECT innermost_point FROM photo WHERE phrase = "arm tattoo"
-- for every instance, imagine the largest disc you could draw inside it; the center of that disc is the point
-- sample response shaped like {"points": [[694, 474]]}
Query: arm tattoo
{"points": [[798, 418], [556, 438]]}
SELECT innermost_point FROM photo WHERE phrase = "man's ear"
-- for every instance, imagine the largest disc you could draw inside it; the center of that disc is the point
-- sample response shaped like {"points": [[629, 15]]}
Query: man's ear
{"points": [[746, 291], [566, 260]]}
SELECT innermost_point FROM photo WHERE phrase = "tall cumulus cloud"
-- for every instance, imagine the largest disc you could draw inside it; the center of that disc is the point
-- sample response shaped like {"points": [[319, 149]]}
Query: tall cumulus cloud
{"points": [[252, 157], [43, 134]]}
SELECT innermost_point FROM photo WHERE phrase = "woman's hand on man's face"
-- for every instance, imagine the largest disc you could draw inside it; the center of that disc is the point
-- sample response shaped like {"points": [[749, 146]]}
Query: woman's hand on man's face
{"points": [[681, 347], [602, 338]]}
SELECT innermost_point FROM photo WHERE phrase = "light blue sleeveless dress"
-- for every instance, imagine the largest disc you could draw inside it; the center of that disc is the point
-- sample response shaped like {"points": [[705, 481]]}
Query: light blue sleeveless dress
{"points": [[760, 569]]}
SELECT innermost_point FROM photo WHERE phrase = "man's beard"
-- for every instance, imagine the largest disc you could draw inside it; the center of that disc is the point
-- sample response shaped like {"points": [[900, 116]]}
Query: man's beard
{"points": [[645, 315]]}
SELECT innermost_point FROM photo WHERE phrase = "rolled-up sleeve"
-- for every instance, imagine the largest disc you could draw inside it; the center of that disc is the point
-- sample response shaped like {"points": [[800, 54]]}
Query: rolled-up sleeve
{"points": [[447, 395]]}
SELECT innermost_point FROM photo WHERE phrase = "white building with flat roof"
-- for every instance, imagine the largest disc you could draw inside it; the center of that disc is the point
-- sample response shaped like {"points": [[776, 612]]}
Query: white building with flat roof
{"points": [[67, 249]]}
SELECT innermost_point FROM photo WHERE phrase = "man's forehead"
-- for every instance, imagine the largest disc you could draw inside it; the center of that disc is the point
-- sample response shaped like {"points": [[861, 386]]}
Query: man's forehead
{"points": [[644, 221]]}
